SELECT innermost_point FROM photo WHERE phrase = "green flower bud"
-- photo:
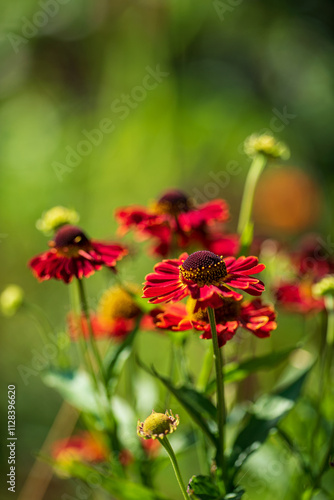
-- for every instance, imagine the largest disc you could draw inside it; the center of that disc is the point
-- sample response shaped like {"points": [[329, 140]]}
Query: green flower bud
{"points": [[157, 425], [267, 145], [56, 217], [11, 300], [324, 287]]}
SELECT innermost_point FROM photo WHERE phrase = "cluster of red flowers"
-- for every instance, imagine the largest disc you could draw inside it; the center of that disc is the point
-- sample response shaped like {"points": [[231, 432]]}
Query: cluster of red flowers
{"points": [[209, 281], [206, 277], [173, 223]]}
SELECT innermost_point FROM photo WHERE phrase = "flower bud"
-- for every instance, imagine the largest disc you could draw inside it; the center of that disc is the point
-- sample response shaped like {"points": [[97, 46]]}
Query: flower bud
{"points": [[324, 287], [11, 300], [157, 425], [56, 217], [267, 145]]}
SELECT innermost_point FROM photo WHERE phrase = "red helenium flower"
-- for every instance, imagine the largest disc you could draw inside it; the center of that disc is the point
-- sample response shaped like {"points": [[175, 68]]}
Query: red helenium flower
{"points": [[84, 447], [205, 276], [73, 254], [297, 297], [116, 329], [256, 317], [173, 220], [116, 316]]}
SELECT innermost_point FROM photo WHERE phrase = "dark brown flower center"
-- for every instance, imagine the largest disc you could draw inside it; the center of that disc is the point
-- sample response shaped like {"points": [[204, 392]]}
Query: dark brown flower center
{"points": [[70, 235], [203, 268], [69, 239], [173, 202]]}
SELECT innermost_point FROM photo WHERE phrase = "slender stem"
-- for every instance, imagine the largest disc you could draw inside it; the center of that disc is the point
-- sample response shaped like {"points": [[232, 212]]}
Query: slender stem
{"points": [[83, 350], [327, 363], [204, 375], [329, 303], [110, 419], [166, 444], [85, 311], [183, 365], [255, 170], [221, 407], [172, 366], [327, 455]]}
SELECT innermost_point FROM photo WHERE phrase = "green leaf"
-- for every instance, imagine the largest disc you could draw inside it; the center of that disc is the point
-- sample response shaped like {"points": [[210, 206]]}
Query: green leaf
{"points": [[234, 372], [203, 487], [119, 488], [75, 387], [195, 403], [114, 360], [236, 495], [264, 416]]}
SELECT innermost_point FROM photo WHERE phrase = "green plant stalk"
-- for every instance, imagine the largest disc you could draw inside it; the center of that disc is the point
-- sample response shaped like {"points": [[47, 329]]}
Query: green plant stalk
{"points": [[83, 350], [221, 407], [329, 303], [112, 424], [204, 375], [171, 371], [166, 444], [326, 358], [255, 170], [91, 338]]}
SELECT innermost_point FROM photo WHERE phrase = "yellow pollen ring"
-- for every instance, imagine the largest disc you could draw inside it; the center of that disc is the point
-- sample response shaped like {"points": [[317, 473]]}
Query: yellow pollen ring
{"points": [[214, 274]]}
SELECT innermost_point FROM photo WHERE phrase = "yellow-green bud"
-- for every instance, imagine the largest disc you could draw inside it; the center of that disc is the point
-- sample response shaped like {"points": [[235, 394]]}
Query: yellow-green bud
{"points": [[324, 287], [157, 425], [56, 217], [267, 145], [11, 300]]}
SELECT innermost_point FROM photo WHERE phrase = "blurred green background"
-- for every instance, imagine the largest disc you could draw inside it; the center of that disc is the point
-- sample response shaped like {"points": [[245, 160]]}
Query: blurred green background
{"points": [[225, 69]]}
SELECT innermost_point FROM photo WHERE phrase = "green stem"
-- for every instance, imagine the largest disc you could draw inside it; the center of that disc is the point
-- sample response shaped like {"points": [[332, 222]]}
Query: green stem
{"points": [[326, 459], [329, 304], [255, 170], [83, 350], [221, 407], [205, 373], [110, 419], [172, 366], [166, 444], [91, 337]]}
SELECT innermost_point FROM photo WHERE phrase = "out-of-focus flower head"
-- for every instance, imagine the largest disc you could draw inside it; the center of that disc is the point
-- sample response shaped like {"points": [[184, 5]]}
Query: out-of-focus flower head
{"points": [[73, 254], [266, 144], [118, 302], [312, 258], [115, 317], [205, 276], [157, 425], [173, 221], [125, 457], [11, 299], [84, 447], [287, 201], [56, 217], [297, 297], [256, 317], [312, 267]]}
